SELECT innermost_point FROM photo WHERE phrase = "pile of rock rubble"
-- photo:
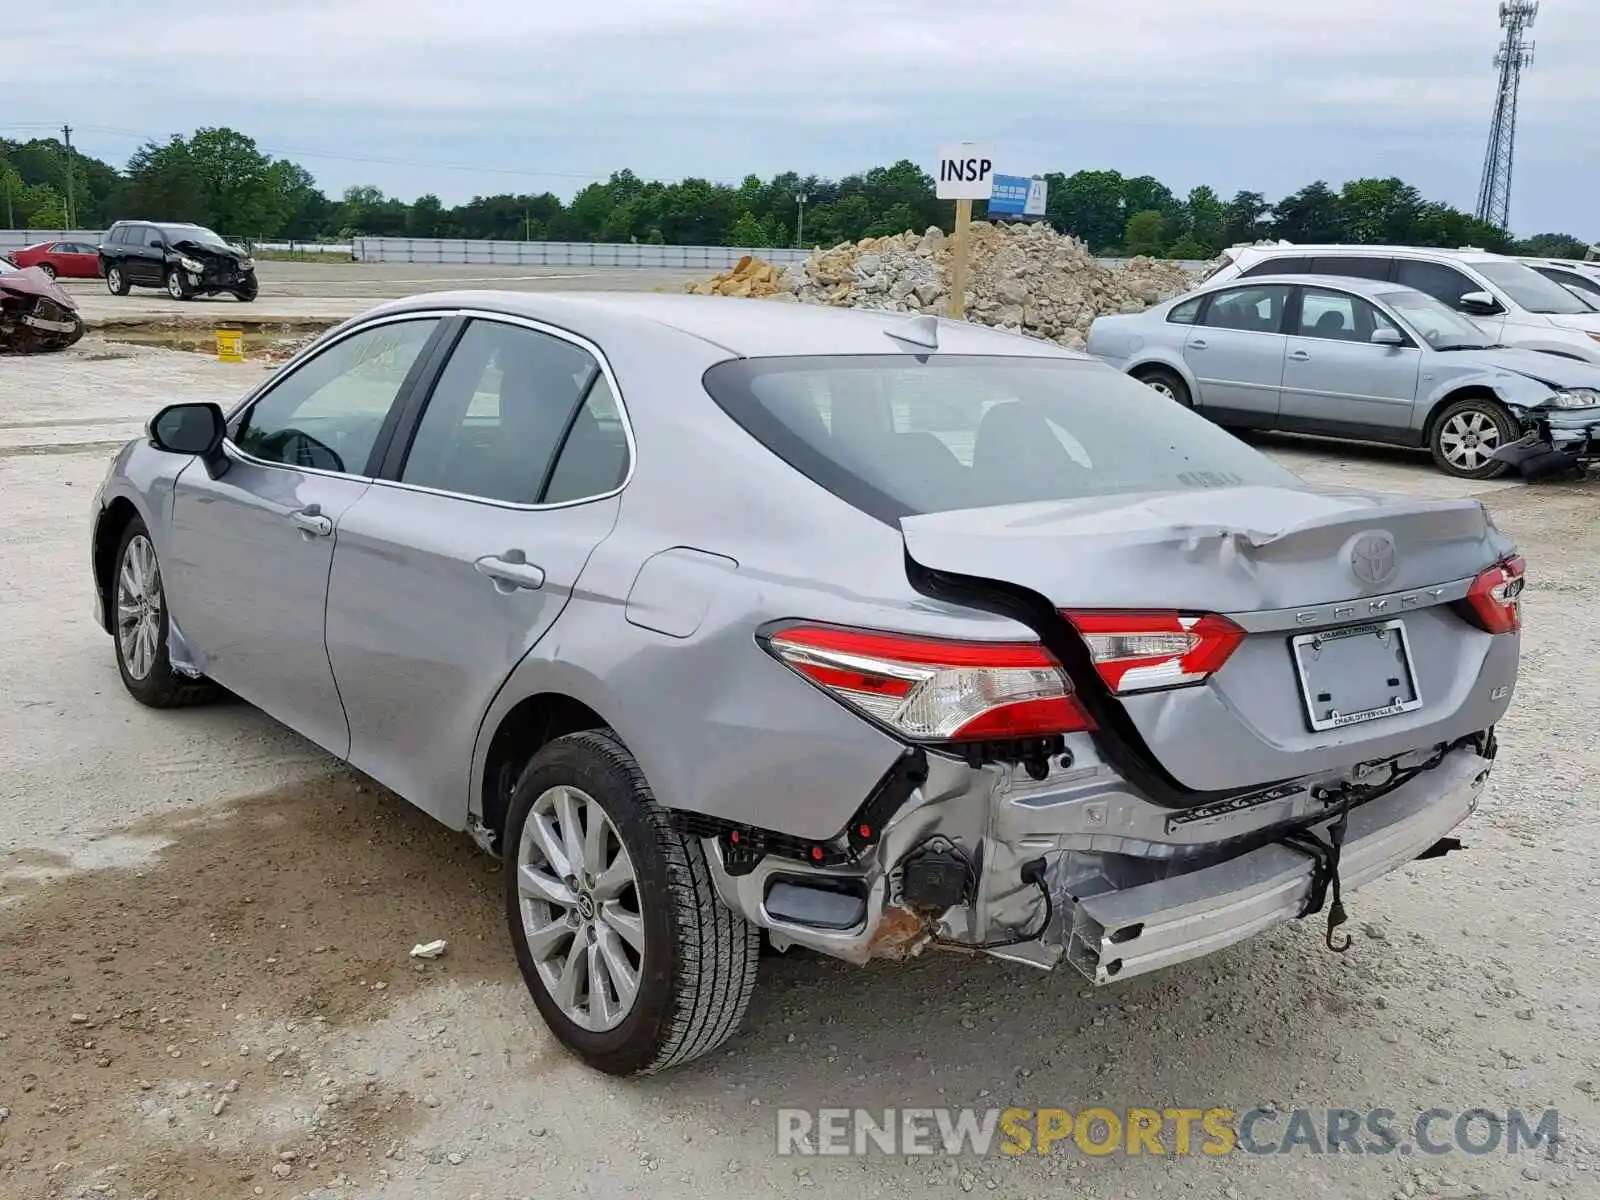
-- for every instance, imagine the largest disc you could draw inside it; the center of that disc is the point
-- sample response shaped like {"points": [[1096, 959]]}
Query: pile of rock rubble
{"points": [[1023, 278]]}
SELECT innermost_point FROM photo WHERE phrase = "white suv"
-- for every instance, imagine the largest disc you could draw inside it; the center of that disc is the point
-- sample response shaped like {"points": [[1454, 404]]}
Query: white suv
{"points": [[1507, 299]]}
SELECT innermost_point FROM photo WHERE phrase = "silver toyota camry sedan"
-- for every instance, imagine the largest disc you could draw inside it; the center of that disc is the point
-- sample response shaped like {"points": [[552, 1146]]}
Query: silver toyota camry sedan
{"points": [[721, 621]]}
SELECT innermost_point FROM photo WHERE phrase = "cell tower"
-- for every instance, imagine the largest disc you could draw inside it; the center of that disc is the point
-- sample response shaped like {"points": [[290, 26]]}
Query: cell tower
{"points": [[1515, 55]]}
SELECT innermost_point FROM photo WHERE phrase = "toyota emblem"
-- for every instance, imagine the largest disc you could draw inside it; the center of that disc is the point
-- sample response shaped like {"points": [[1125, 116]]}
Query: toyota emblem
{"points": [[1373, 560]]}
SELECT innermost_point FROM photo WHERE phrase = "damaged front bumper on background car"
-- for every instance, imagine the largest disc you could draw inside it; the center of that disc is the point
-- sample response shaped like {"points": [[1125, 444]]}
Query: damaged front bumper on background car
{"points": [[1556, 439], [1077, 866]]}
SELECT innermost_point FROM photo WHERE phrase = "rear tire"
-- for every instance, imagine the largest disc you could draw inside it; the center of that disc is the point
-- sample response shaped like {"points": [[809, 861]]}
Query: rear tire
{"points": [[48, 270], [116, 281], [138, 613], [690, 961], [1464, 435], [1167, 382]]}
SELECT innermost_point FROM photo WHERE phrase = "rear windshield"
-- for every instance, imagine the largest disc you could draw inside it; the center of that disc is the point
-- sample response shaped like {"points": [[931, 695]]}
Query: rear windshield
{"points": [[898, 435]]}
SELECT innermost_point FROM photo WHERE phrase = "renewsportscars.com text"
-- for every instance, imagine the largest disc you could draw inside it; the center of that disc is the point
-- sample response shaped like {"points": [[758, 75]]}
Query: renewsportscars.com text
{"points": [[1212, 1132]]}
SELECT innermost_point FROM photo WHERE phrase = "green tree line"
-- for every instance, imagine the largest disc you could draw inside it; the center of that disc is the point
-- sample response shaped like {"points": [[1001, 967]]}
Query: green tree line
{"points": [[220, 178]]}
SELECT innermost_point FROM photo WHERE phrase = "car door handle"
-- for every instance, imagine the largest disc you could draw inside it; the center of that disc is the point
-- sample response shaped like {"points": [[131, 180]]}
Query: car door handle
{"points": [[511, 571], [310, 520], [1198, 344], [1300, 356]]}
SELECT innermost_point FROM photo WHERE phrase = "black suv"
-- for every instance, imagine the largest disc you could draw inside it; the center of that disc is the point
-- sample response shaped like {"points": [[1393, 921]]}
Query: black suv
{"points": [[185, 260]]}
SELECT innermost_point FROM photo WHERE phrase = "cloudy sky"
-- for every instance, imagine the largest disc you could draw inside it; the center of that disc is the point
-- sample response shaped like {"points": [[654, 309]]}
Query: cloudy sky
{"points": [[512, 95]]}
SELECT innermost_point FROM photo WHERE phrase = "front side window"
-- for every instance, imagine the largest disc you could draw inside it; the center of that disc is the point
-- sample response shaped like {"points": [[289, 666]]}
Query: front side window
{"points": [[1445, 284], [1256, 309], [507, 401], [327, 413], [1339, 317], [897, 436]]}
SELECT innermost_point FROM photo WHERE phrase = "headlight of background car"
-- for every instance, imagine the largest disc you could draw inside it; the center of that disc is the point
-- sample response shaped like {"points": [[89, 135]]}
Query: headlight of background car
{"points": [[1576, 398], [191, 266]]}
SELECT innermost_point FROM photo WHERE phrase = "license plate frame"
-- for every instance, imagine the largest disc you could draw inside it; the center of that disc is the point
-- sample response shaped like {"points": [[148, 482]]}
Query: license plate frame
{"points": [[1409, 699]]}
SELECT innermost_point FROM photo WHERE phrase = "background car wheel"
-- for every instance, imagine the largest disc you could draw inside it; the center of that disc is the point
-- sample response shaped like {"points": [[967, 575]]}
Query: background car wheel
{"points": [[138, 608], [175, 285], [1169, 383], [116, 282], [49, 271], [1466, 433], [632, 960]]}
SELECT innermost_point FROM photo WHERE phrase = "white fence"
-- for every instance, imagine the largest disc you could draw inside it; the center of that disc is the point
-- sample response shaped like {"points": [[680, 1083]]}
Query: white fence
{"points": [[16, 239], [563, 254], [461, 252]]}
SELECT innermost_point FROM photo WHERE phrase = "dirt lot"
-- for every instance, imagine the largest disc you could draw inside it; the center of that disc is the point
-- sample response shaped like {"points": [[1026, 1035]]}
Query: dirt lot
{"points": [[205, 988]]}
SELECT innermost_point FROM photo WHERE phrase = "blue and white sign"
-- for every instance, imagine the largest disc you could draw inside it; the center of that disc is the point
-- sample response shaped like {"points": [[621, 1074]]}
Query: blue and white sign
{"points": [[1017, 196]]}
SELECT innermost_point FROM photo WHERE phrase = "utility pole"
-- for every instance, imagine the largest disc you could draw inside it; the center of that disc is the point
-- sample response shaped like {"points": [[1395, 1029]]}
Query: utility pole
{"points": [[800, 220], [66, 137]]}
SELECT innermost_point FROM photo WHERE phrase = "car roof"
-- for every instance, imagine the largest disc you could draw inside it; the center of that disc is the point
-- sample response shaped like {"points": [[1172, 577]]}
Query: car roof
{"points": [[1463, 253], [745, 328], [1344, 283]]}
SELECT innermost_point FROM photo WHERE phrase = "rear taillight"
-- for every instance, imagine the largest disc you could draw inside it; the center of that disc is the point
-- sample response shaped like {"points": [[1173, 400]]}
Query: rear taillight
{"points": [[1144, 651], [1494, 602], [935, 690]]}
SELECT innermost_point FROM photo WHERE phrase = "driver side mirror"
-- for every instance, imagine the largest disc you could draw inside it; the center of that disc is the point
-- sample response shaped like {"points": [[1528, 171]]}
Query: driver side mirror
{"points": [[1479, 303], [1387, 337], [196, 429]]}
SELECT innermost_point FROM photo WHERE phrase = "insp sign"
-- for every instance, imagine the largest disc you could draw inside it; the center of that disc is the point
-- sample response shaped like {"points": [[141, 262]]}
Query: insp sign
{"points": [[966, 172]]}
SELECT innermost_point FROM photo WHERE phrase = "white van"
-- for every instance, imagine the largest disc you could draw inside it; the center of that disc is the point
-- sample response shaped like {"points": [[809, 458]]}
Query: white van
{"points": [[1507, 299]]}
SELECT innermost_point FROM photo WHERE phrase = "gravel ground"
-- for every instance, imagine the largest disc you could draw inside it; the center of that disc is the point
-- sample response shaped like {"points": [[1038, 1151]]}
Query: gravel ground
{"points": [[204, 927]]}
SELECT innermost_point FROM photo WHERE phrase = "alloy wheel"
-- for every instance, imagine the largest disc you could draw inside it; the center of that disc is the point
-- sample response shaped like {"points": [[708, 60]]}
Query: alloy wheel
{"points": [[114, 279], [1161, 387], [581, 909], [175, 285], [139, 607], [1469, 438]]}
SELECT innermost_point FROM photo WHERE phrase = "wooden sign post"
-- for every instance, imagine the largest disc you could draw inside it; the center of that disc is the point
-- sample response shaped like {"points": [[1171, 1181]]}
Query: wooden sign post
{"points": [[966, 173]]}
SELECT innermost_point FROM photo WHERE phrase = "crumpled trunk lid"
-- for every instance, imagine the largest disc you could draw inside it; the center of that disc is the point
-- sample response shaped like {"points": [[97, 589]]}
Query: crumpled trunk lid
{"points": [[1282, 562]]}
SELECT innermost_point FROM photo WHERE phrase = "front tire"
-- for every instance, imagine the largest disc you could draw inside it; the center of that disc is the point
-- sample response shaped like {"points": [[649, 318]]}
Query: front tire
{"points": [[1466, 433], [247, 291], [1168, 383], [117, 282], [140, 625], [176, 288], [631, 958]]}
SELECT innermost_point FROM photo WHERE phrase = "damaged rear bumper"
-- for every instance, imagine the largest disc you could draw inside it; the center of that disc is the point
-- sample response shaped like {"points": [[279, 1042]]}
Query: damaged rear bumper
{"points": [[1132, 887]]}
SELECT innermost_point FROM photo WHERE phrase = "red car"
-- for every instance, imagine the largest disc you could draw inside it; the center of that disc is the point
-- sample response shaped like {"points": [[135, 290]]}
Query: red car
{"points": [[63, 260]]}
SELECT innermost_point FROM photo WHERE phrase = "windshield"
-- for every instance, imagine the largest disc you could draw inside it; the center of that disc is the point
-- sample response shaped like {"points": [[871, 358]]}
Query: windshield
{"points": [[1530, 290], [1440, 326], [896, 435], [192, 233]]}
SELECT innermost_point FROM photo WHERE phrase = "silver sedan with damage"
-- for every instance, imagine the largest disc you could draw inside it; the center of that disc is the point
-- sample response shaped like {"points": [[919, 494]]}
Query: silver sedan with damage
{"points": [[713, 617], [1365, 360]]}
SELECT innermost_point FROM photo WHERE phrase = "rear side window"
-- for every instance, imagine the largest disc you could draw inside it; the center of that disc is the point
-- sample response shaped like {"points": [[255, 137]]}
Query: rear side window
{"points": [[1280, 266], [1360, 266], [895, 435], [499, 413], [1187, 312]]}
